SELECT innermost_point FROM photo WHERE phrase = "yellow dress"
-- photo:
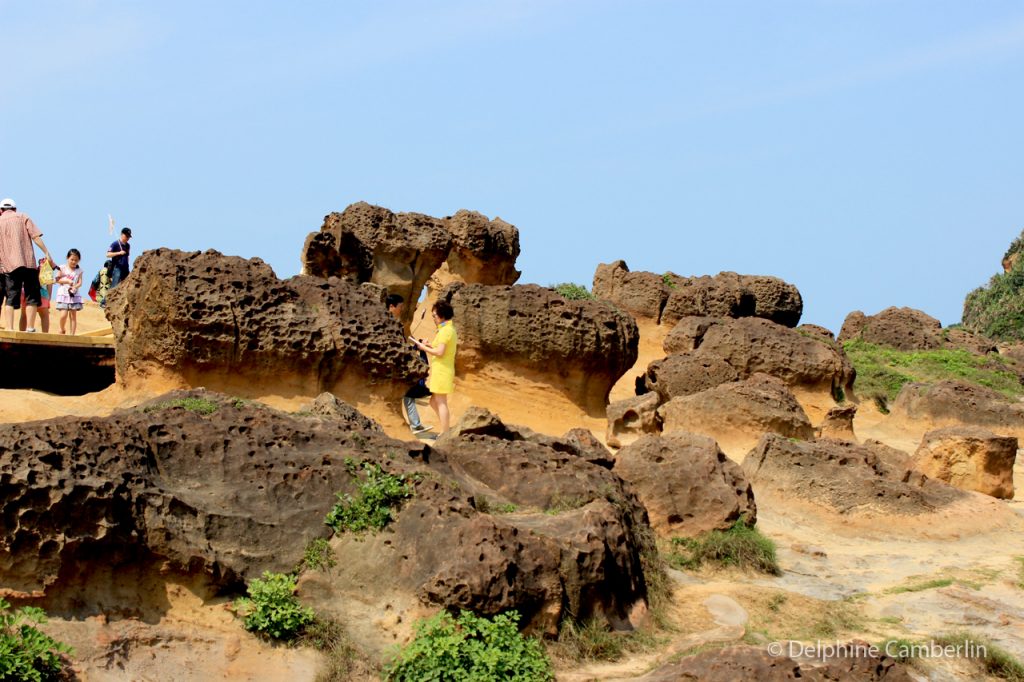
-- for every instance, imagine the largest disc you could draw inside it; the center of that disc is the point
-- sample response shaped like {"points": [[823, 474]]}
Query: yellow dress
{"points": [[442, 369]]}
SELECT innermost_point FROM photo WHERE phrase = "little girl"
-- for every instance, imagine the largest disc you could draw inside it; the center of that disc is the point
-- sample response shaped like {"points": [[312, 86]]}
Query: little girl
{"points": [[69, 299]]}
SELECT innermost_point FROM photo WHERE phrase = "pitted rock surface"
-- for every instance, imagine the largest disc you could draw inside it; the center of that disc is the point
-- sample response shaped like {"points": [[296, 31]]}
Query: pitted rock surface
{"points": [[844, 477], [900, 328], [838, 423], [330, 406], [668, 298], [686, 483], [402, 251], [631, 418], [242, 489], [213, 319], [506, 522], [970, 458], [580, 347], [745, 409], [727, 349]]}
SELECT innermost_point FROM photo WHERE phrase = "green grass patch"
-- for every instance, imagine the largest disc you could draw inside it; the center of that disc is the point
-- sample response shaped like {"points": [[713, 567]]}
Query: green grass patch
{"points": [[319, 556], [27, 653], [742, 545], [198, 405], [592, 640], [921, 587], [995, 660], [573, 291], [372, 507], [470, 647], [882, 372]]}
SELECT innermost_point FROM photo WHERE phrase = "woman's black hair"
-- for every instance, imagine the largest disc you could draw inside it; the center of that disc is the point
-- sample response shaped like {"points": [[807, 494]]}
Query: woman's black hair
{"points": [[444, 310], [393, 300], [74, 252]]}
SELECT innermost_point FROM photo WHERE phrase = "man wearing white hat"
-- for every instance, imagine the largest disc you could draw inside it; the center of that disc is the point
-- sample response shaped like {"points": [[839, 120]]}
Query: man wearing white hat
{"points": [[18, 262]]}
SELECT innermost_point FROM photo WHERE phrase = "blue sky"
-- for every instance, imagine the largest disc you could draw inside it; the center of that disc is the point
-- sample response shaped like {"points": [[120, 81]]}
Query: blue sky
{"points": [[869, 151]]}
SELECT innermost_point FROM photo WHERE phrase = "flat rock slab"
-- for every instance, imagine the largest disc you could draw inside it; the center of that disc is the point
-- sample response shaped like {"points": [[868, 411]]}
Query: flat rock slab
{"points": [[725, 610]]}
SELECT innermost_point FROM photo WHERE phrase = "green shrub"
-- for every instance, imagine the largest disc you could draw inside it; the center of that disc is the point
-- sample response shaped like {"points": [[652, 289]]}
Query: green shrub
{"points": [[371, 507], [997, 310], [573, 292], [26, 653], [882, 372], [667, 280], [319, 555], [470, 648], [272, 608], [742, 545]]}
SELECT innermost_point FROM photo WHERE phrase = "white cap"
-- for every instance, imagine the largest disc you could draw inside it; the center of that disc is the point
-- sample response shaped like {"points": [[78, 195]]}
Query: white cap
{"points": [[7, 203]]}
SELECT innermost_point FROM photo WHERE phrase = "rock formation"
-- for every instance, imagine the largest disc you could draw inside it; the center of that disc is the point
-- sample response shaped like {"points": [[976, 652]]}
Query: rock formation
{"points": [[668, 298], [402, 251], [706, 352], [631, 418], [910, 329], [580, 347], [738, 413], [686, 483], [227, 322], [969, 458], [220, 487], [843, 477], [955, 403], [838, 423]]}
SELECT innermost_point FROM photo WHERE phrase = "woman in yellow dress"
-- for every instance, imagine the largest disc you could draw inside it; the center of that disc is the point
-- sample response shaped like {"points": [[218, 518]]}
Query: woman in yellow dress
{"points": [[442, 361]]}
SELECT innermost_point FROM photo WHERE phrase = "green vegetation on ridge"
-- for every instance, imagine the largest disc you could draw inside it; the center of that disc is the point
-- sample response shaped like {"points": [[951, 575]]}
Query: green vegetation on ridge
{"points": [[882, 372], [997, 310]]}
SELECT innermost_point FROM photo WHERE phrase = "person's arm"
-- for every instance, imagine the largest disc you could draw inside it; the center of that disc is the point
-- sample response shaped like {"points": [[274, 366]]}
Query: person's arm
{"points": [[115, 254], [427, 348], [39, 242]]}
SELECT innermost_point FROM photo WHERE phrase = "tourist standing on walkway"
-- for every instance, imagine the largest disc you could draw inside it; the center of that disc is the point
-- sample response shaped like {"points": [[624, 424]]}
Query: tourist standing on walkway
{"points": [[442, 361], [18, 262], [118, 255]]}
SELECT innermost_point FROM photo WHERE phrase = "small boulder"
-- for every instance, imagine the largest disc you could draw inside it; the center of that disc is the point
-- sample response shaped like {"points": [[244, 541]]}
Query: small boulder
{"points": [[686, 483], [631, 418], [679, 375], [838, 423], [329, 406], [969, 458], [899, 328]]}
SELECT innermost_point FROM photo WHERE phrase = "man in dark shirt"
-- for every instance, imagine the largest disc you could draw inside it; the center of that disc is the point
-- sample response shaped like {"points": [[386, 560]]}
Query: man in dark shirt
{"points": [[118, 255]]}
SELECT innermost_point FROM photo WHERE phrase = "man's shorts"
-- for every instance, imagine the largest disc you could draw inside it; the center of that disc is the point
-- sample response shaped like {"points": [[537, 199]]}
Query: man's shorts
{"points": [[27, 278]]}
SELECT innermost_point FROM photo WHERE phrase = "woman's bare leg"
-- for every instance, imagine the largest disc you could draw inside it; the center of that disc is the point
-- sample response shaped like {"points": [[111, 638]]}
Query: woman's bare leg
{"points": [[439, 403]]}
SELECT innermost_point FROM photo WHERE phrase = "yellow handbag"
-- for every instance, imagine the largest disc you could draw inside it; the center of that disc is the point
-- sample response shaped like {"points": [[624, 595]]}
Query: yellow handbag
{"points": [[45, 272]]}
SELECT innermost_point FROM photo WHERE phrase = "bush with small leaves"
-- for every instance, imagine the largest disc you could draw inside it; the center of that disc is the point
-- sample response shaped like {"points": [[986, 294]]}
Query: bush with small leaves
{"points": [[371, 507], [272, 608], [573, 292], [26, 653], [470, 648]]}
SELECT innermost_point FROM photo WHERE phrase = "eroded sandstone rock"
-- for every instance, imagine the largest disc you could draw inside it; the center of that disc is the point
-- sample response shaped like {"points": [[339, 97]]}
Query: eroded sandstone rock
{"points": [[838, 423], [843, 477], [900, 328], [737, 414], [953, 403], [686, 483], [227, 322], [668, 298], [686, 374], [969, 458], [211, 485], [579, 347], [402, 251], [631, 418]]}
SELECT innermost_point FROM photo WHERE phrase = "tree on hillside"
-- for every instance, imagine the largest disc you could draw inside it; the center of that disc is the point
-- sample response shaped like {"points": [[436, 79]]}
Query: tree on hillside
{"points": [[997, 310]]}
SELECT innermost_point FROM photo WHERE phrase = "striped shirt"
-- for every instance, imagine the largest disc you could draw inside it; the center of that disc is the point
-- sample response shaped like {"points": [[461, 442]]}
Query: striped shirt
{"points": [[16, 234]]}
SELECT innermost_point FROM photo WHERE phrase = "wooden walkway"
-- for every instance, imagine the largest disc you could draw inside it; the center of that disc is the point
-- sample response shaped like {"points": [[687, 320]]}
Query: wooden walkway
{"points": [[57, 363], [92, 339]]}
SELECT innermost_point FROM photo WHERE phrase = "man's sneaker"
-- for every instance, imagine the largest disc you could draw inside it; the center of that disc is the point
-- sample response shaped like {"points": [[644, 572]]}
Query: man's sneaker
{"points": [[420, 428], [31, 330]]}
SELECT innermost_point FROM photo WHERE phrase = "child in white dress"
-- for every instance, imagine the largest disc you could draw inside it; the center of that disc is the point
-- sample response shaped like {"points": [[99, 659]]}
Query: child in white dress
{"points": [[68, 279]]}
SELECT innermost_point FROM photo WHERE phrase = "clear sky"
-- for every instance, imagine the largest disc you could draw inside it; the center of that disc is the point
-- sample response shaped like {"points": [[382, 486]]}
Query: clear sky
{"points": [[869, 151]]}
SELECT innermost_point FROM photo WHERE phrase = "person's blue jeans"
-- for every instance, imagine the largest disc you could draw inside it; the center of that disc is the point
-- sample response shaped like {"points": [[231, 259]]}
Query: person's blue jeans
{"points": [[116, 276]]}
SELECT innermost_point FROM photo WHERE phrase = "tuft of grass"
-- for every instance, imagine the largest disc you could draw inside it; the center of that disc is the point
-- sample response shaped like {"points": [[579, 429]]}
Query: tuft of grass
{"points": [[996, 660], [667, 280], [742, 545], [882, 372], [329, 637], [921, 587], [318, 555], [197, 405], [562, 503], [592, 640], [573, 291]]}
